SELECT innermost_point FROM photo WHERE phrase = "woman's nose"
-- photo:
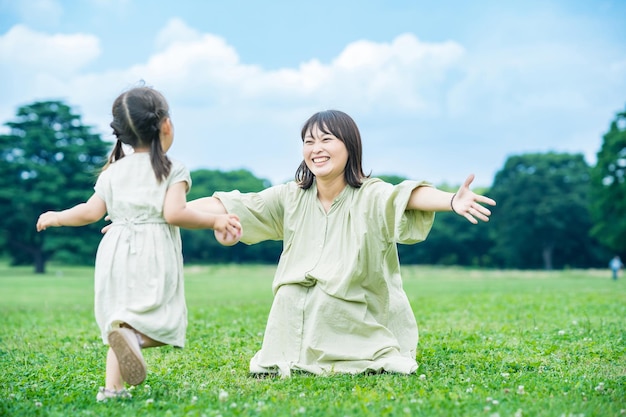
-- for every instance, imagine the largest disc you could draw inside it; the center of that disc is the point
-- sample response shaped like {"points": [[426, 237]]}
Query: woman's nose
{"points": [[317, 146]]}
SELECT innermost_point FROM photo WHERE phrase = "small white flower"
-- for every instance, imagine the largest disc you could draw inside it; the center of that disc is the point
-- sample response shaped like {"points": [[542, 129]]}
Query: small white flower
{"points": [[150, 401], [38, 404], [470, 389], [302, 395], [233, 405], [302, 410], [495, 402], [194, 399], [561, 332], [505, 374], [422, 377], [518, 413], [223, 396], [520, 389], [600, 387]]}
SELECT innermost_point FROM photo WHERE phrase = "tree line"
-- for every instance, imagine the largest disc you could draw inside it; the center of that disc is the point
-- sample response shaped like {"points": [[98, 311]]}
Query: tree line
{"points": [[554, 209]]}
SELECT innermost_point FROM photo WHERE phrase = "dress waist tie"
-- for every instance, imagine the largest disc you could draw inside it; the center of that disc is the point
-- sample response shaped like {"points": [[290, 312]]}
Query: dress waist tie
{"points": [[130, 225]]}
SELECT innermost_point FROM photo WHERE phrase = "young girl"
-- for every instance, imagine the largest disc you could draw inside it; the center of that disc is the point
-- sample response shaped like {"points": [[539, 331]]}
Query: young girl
{"points": [[139, 290]]}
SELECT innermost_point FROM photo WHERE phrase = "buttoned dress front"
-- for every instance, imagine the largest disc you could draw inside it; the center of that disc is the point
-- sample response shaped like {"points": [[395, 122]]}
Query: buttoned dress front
{"points": [[339, 305], [139, 265]]}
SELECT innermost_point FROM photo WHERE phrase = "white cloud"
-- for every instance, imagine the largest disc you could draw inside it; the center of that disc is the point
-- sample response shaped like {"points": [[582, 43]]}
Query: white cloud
{"points": [[176, 31], [34, 52]]}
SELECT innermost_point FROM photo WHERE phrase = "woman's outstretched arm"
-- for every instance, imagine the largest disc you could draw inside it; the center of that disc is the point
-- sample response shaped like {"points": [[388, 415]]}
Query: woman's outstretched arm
{"points": [[208, 205], [464, 202]]}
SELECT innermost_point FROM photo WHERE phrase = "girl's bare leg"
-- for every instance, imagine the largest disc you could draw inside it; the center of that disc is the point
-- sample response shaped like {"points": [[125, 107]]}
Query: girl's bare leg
{"points": [[113, 378]]}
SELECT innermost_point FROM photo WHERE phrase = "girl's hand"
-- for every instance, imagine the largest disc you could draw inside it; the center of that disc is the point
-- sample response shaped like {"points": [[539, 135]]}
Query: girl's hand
{"points": [[48, 219], [108, 226], [466, 203], [227, 229]]}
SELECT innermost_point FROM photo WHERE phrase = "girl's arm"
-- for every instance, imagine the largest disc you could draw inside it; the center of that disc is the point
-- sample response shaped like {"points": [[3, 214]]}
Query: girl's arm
{"points": [[464, 202], [85, 213], [179, 213]]}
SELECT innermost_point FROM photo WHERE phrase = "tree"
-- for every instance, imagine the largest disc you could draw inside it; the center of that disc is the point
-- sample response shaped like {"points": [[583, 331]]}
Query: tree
{"points": [[542, 216], [608, 188], [48, 161]]}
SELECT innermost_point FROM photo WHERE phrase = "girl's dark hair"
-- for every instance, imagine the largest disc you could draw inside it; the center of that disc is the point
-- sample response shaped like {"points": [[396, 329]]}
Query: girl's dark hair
{"points": [[137, 118], [340, 125]]}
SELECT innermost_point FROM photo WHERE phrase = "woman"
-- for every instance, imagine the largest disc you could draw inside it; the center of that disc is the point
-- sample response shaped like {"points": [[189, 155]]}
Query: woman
{"points": [[338, 303]]}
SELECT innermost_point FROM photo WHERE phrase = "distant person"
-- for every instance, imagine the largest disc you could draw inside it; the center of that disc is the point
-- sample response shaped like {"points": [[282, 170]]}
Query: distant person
{"points": [[616, 265], [139, 288], [339, 305]]}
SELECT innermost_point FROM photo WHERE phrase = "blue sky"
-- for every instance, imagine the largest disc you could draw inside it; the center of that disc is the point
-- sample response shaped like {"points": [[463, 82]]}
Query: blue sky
{"points": [[438, 89]]}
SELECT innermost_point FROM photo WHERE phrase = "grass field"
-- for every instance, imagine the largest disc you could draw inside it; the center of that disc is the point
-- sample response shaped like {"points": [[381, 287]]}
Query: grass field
{"points": [[492, 343]]}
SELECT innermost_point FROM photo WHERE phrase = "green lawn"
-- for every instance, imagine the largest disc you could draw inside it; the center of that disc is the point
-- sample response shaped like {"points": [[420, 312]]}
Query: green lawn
{"points": [[492, 343]]}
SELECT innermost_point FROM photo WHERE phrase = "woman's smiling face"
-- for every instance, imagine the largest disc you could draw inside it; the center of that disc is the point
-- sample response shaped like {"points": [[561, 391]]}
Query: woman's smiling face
{"points": [[324, 154]]}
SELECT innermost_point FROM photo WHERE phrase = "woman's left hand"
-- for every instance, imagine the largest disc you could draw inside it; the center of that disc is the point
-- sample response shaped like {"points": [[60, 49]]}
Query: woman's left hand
{"points": [[467, 203]]}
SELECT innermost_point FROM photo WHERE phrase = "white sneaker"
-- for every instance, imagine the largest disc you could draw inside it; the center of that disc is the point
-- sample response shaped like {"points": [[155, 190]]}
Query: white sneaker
{"points": [[107, 394], [125, 344]]}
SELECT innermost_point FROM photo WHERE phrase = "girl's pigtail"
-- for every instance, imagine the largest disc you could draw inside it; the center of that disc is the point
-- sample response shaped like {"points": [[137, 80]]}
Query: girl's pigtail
{"points": [[161, 164], [116, 154]]}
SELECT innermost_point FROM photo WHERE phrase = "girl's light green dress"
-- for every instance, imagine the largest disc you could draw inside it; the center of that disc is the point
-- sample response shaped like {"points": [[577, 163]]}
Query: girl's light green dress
{"points": [[339, 305], [139, 264]]}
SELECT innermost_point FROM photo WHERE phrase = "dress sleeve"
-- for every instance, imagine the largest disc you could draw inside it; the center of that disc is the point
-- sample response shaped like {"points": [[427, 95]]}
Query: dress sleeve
{"points": [[102, 185], [406, 226], [260, 214], [179, 173]]}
